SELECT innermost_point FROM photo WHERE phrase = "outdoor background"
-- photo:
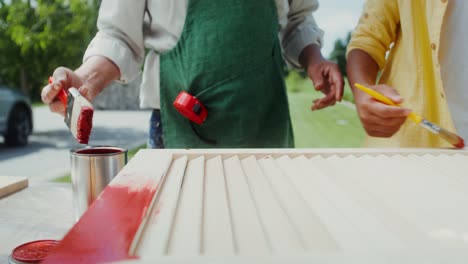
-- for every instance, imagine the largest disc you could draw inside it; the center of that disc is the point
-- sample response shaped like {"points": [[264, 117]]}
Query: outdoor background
{"points": [[37, 36]]}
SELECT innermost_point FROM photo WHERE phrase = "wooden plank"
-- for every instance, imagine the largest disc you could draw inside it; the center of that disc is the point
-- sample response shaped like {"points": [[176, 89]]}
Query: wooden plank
{"points": [[398, 192], [248, 232], [187, 229], [11, 184], [355, 177], [106, 230], [278, 228], [155, 238], [443, 201], [292, 153], [306, 179], [358, 257], [389, 228], [217, 232], [406, 187], [450, 167], [308, 226]]}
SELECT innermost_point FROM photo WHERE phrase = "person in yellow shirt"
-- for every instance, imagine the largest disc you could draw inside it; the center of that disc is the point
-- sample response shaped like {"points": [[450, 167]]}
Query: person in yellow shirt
{"points": [[418, 46]]}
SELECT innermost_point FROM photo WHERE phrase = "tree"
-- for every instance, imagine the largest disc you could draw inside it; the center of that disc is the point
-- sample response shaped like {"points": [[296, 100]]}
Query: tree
{"points": [[339, 53], [38, 36]]}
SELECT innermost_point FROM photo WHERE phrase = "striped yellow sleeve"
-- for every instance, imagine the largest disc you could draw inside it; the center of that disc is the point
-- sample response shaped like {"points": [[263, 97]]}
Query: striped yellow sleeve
{"points": [[377, 29]]}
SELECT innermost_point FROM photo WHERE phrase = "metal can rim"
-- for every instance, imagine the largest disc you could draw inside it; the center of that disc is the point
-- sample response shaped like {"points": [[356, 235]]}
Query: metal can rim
{"points": [[16, 260], [85, 152]]}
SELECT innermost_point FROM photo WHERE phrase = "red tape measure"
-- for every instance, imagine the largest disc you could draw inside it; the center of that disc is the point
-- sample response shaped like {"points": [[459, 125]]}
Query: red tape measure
{"points": [[190, 107]]}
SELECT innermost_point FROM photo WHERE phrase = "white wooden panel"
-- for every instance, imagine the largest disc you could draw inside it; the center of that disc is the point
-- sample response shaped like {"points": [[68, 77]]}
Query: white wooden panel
{"points": [[369, 227], [278, 228], [309, 229], [405, 187], [248, 232], [187, 229], [447, 200], [450, 167], [356, 178], [370, 217], [308, 181], [217, 232], [155, 237], [360, 257], [146, 168]]}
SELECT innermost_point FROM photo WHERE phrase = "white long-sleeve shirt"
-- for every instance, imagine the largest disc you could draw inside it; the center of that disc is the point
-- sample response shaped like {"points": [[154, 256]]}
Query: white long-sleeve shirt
{"points": [[125, 33]]}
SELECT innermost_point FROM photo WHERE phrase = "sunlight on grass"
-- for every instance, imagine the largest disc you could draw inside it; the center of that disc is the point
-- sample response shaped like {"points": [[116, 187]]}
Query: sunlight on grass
{"points": [[333, 127]]}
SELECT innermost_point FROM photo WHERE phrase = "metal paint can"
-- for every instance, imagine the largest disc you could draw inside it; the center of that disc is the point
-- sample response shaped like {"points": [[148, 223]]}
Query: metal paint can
{"points": [[92, 169], [32, 252]]}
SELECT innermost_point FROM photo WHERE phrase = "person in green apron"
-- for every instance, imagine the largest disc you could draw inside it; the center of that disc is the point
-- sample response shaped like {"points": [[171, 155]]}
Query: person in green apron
{"points": [[228, 54]]}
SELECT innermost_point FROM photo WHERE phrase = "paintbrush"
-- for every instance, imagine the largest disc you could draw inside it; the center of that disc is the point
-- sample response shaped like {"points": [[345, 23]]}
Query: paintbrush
{"points": [[450, 137], [78, 113]]}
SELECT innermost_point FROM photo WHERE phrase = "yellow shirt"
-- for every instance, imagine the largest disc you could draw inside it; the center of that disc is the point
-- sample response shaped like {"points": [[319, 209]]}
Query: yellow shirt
{"points": [[412, 66]]}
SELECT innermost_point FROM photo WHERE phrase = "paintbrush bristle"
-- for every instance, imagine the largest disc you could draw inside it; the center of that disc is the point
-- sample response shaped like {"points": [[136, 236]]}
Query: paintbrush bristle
{"points": [[461, 143], [85, 124], [79, 116]]}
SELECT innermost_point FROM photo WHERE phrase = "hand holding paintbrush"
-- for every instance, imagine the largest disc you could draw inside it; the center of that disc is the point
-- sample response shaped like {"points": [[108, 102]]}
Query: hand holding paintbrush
{"points": [[78, 111], [450, 137], [90, 78]]}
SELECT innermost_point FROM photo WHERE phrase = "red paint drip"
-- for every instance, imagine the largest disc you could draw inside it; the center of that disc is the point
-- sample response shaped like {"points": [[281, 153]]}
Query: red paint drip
{"points": [[85, 124], [460, 144], [106, 230]]}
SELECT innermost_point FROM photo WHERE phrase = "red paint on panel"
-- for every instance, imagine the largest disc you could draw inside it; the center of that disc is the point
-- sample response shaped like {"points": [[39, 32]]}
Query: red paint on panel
{"points": [[106, 230]]}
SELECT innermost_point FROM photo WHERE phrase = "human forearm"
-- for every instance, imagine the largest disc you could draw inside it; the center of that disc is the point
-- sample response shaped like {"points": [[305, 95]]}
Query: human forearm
{"points": [[378, 119], [324, 74], [361, 68], [90, 79], [96, 73], [310, 55]]}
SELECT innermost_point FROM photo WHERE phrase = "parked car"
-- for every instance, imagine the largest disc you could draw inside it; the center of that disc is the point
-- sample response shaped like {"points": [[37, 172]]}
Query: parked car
{"points": [[15, 117]]}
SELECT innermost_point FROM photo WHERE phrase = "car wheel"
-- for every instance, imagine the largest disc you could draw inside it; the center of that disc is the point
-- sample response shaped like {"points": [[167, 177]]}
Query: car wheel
{"points": [[19, 127]]}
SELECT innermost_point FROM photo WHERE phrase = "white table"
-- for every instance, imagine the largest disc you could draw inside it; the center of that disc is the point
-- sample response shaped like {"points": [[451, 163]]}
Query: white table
{"points": [[41, 211]]}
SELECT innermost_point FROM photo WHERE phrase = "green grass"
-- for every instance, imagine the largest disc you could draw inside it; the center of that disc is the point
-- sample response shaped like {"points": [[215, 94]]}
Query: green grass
{"points": [[295, 83], [130, 154], [332, 127], [63, 179]]}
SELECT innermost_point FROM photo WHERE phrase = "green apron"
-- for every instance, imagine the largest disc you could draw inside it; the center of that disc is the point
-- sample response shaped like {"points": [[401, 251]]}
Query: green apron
{"points": [[229, 57]]}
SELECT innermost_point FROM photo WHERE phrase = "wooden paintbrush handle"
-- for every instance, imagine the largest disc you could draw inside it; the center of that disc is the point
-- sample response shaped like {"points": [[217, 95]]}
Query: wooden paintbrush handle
{"points": [[62, 94], [63, 97]]}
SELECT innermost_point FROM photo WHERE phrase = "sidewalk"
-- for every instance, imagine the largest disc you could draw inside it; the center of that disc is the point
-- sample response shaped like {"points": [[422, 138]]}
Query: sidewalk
{"points": [[47, 155]]}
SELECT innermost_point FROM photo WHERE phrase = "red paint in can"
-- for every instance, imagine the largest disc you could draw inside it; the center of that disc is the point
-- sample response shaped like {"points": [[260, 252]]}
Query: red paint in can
{"points": [[100, 151]]}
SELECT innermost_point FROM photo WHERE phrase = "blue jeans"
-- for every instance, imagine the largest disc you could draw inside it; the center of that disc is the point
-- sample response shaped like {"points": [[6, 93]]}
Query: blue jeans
{"points": [[155, 139]]}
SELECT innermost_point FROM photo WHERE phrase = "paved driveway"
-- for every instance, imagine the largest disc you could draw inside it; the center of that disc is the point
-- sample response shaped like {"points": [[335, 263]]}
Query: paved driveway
{"points": [[47, 155]]}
